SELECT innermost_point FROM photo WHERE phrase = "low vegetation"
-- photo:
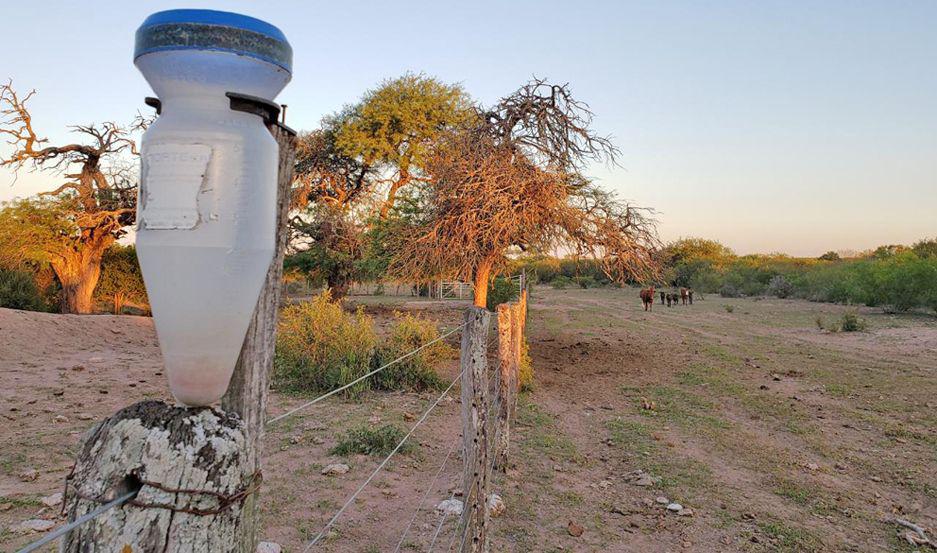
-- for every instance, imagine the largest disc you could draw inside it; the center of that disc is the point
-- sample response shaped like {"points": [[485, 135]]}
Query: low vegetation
{"points": [[417, 371], [320, 347], [365, 440]]}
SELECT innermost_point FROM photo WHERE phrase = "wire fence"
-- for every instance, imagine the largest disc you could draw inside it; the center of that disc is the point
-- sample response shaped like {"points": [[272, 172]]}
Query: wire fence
{"points": [[492, 409]]}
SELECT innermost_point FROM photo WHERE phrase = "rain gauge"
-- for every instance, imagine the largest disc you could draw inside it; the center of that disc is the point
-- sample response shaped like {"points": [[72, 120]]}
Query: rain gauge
{"points": [[206, 211]]}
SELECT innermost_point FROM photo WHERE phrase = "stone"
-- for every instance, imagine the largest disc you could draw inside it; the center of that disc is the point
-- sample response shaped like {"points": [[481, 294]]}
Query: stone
{"points": [[574, 529], [52, 500], [29, 475], [268, 547], [662, 500], [674, 507], [496, 506], [450, 507], [34, 525], [812, 466], [685, 512], [335, 469], [317, 440], [83, 417]]}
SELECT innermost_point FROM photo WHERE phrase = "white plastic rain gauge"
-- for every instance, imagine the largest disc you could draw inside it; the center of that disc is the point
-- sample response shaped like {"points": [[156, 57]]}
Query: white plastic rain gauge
{"points": [[206, 214]]}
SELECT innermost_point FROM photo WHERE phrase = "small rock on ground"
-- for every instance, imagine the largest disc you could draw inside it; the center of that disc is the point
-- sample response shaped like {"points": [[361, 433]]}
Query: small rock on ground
{"points": [[674, 507], [268, 547], [52, 500], [335, 469], [574, 529], [34, 525], [450, 506], [495, 505]]}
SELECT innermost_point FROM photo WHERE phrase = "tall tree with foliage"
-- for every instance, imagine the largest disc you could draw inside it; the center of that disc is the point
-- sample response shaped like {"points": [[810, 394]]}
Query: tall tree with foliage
{"points": [[72, 225], [393, 128], [513, 178]]}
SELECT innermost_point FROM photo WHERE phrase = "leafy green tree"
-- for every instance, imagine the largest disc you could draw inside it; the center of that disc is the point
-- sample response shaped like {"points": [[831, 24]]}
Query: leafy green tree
{"points": [[925, 248], [121, 280], [393, 128], [830, 256]]}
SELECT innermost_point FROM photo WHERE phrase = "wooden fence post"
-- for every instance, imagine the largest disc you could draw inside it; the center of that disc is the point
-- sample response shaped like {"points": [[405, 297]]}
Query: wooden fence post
{"points": [[201, 503], [247, 392], [507, 367], [475, 447]]}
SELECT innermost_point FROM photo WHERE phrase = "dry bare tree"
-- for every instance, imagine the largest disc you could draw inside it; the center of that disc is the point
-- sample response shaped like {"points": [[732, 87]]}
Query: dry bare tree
{"points": [[513, 178], [70, 226]]}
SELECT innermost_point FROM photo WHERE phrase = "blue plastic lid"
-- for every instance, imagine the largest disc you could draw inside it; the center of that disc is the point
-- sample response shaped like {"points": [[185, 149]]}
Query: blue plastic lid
{"points": [[213, 30]]}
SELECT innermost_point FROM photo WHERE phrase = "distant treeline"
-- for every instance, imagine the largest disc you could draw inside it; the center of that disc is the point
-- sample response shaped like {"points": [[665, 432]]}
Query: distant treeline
{"points": [[894, 277]]}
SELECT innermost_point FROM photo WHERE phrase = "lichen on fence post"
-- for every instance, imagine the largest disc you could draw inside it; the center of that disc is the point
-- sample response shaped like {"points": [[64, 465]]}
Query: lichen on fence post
{"points": [[475, 438], [191, 471]]}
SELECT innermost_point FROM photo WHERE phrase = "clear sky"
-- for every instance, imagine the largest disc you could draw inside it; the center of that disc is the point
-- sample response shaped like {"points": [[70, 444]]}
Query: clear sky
{"points": [[771, 126]]}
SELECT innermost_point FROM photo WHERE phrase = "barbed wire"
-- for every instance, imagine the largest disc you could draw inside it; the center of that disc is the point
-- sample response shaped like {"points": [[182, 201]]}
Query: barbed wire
{"points": [[381, 465], [429, 489]]}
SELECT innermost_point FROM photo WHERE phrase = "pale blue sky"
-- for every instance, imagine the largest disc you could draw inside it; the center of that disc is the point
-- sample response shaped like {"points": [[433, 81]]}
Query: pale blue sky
{"points": [[771, 126]]}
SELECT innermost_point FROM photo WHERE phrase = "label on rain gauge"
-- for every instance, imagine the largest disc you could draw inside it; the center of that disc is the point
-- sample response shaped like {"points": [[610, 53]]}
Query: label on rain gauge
{"points": [[172, 177]]}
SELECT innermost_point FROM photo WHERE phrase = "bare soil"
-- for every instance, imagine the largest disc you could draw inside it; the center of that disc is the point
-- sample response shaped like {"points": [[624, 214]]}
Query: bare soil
{"points": [[777, 435]]}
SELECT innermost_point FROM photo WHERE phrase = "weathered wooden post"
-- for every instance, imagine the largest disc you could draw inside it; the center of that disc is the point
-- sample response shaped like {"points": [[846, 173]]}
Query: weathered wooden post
{"points": [[507, 389], [475, 438], [247, 392]]}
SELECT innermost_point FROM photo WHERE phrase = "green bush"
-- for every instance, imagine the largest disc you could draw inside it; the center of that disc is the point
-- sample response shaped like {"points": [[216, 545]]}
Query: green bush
{"points": [[729, 291], [501, 290], [728, 308], [850, 322], [779, 287], [321, 347], [121, 280], [561, 282], [364, 440], [418, 371], [18, 290]]}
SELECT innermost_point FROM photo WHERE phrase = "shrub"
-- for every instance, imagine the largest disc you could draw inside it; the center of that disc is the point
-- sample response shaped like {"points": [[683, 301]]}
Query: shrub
{"points": [[729, 291], [728, 308], [502, 290], [121, 280], [780, 287], [321, 347], [364, 440], [561, 282], [587, 281], [18, 290], [850, 322], [418, 371]]}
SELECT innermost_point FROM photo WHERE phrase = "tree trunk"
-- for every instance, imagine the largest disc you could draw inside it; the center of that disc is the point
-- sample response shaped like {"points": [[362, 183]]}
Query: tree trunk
{"points": [[392, 193], [78, 273], [338, 287], [482, 274]]}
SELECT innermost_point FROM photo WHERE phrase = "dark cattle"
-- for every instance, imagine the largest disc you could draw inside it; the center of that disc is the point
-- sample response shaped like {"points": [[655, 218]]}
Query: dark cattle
{"points": [[662, 294], [690, 293], [684, 295], [647, 298]]}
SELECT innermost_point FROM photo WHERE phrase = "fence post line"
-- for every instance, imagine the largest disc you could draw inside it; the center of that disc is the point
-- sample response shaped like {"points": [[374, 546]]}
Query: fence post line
{"points": [[247, 392], [507, 368], [475, 448]]}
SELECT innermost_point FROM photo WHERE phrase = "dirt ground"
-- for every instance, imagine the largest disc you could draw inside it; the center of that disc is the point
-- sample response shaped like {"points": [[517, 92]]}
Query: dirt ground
{"points": [[776, 435]]}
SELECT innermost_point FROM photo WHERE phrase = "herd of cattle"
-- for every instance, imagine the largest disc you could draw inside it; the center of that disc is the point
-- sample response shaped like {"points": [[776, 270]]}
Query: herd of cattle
{"points": [[684, 296]]}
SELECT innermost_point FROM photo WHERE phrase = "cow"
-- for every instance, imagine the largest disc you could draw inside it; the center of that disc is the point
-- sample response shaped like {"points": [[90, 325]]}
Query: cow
{"points": [[670, 300], [684, 294], [662, 294], [690, 294], [647, 298]]}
